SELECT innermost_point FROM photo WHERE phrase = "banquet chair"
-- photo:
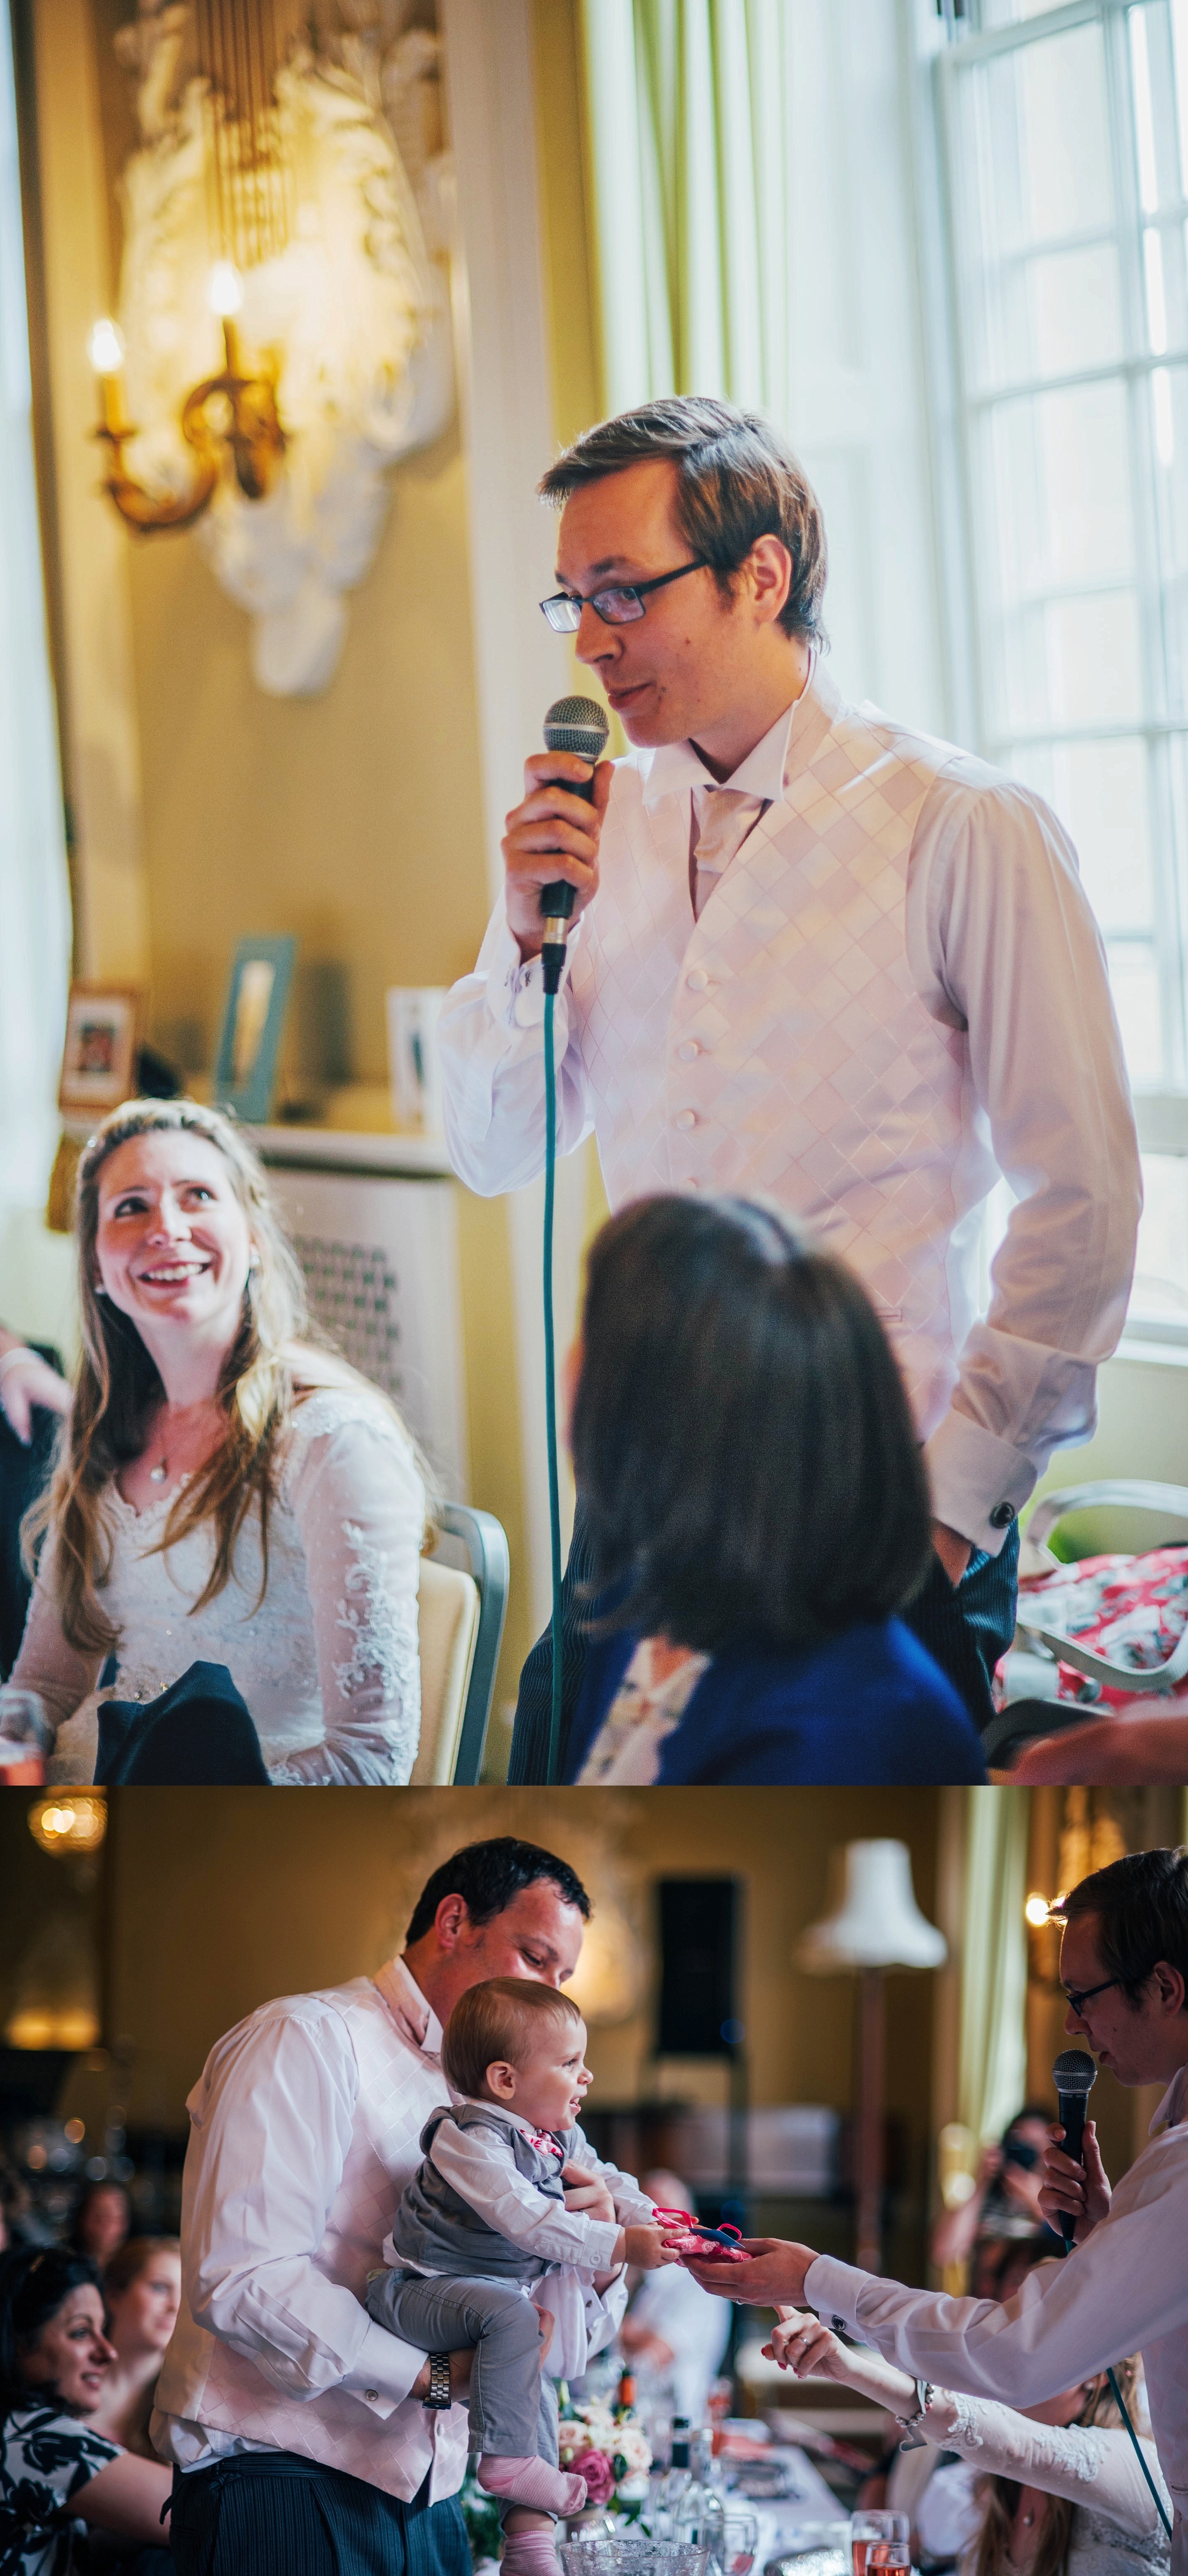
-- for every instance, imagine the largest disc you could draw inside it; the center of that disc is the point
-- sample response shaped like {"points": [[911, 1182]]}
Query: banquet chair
{"points": [[460, 1620], [1030, 1670]]}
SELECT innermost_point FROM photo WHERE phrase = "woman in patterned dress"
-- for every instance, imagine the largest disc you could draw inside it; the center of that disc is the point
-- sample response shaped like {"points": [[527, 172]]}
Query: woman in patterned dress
{"points": [[59, 2478], [227, 1493]]}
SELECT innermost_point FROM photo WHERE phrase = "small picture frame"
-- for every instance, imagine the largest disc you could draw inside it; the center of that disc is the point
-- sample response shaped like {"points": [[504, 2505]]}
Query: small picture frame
{"points": [[257, 998], [414, 1063], [99, 1055]]}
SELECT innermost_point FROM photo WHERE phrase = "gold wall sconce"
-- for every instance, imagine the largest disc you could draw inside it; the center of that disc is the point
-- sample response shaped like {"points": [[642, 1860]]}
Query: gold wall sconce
{"points": [[228, 418]]}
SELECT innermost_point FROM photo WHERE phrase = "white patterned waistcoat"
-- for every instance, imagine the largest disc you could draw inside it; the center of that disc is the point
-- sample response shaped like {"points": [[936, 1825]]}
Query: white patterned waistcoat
{"points": [[780, 1045], [208, 2382]]}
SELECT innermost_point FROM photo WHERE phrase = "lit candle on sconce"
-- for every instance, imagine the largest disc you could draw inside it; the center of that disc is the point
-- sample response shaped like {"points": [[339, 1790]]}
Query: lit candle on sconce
{"points": [[106, 351], [225, 297]]}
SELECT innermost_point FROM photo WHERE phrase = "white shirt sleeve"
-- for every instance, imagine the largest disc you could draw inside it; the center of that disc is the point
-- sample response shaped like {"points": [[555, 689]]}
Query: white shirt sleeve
{"points": [[632, 2206], [360, 1509], [1002, 943], [1087, 2464], [490, 1038], [489, 2181], [275, 2108], [47, 1664], [1113, 2295]]}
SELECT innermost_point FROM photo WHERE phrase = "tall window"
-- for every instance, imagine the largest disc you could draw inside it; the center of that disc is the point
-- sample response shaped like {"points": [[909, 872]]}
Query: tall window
{"points": [[1065, 151]]}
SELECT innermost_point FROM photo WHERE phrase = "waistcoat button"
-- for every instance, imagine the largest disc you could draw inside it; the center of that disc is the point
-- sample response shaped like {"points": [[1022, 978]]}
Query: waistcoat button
{"points": [[371, 2395]]}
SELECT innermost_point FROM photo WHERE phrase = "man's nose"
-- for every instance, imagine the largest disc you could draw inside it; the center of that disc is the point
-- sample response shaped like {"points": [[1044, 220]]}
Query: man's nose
{"points": [[596, 641]]}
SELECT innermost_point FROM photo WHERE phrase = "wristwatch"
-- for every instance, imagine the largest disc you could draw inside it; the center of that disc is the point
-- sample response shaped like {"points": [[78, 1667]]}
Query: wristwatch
{"points": [[924, 2396], [438, 2395]]}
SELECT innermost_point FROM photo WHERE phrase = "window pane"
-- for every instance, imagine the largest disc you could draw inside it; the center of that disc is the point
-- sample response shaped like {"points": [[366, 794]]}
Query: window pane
{"points": [[1100, 792], [1160, 1293], [1134, 981]]}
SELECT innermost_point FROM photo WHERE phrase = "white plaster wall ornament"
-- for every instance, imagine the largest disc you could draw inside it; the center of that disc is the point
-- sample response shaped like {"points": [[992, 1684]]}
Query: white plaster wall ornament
{"points": [[352, 316]]}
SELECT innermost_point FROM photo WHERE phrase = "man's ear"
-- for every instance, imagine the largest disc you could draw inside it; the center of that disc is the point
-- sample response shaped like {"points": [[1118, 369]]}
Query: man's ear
{"points": [[1169, 1986], [500, 2080], [769, 575], [450, 1921]]}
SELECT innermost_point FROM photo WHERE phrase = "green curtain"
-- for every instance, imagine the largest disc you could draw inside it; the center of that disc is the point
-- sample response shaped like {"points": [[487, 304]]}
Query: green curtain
{"points": [[690, 114], [992, 2058]]}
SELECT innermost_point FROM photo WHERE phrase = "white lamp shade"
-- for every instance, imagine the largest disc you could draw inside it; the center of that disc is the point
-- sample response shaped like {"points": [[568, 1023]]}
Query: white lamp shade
{"points": [[878, 1923]]}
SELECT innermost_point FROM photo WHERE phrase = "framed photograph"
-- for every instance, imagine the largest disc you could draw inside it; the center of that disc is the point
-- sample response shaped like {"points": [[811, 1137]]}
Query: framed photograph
{"points": [[99, 1057], [245, 1072]]}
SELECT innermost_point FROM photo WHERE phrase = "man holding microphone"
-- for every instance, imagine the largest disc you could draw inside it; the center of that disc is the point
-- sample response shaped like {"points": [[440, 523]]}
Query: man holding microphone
{"points": [[818, 959], [1124, 2287]]}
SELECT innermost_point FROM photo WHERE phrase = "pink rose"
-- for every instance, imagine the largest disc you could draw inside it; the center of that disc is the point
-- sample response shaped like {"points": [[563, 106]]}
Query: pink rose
{"points": [[596, 2469]]}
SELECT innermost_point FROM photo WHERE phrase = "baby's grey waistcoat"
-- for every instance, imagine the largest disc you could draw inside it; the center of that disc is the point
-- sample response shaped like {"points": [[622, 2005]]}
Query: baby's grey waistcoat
{"points": [[435, 2227]]}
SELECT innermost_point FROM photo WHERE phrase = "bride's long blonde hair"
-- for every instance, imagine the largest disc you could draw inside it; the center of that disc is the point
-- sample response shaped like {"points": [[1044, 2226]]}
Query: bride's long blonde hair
{"points": [[275, 1359], [999, 2497]]}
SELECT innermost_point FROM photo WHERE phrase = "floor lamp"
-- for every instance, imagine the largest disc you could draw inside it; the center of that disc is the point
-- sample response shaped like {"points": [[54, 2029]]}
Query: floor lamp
{"points": [[878, 1925]]}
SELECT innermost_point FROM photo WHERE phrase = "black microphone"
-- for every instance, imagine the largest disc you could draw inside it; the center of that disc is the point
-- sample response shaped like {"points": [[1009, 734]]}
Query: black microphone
{"points": [[582, 726], [1074, 2075]]}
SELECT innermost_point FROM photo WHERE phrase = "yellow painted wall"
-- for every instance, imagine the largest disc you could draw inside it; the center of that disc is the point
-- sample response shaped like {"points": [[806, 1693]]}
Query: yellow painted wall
{"points": [[264, 1896]]}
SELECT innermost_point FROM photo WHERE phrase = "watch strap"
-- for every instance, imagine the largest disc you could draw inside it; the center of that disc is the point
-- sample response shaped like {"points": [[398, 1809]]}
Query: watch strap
{"points": [[438, 2397]]}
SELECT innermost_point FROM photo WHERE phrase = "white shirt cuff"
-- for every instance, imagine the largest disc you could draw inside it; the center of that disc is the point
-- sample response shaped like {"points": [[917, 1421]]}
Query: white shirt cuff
{"points": [[515, 991], [833, 2289], [979, 1483], [384, 2370]]}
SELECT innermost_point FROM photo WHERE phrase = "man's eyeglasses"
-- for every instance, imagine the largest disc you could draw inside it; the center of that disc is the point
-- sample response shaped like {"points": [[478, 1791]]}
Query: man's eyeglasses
{"points": [[1078, 1998], [618, 607]]}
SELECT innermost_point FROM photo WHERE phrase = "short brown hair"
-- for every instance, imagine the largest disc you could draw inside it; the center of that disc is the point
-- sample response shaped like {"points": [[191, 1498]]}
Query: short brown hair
{"points": [[1141, 1904], [737, 481], [493, 2021]]}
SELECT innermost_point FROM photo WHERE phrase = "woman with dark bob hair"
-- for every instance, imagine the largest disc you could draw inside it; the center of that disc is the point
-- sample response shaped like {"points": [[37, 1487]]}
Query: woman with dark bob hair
{"points": [[59, 2478], [759, 1513]]}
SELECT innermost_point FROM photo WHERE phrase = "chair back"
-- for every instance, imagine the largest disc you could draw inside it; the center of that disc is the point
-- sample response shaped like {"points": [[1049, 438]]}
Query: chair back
{"points": [[460, 1624]]}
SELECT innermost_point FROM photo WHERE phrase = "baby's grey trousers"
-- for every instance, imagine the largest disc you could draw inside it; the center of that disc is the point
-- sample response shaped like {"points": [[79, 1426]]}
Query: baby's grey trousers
{"points": [[513, 2407]]}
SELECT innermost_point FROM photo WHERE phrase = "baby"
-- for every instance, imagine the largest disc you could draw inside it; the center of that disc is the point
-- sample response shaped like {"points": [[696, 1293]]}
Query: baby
{"points": [[483, 2220]]}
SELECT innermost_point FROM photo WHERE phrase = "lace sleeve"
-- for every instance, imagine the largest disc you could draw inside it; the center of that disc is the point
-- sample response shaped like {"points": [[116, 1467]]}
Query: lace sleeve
{"points": [[1093, 2464], [47, 1664], [360, 1509]]}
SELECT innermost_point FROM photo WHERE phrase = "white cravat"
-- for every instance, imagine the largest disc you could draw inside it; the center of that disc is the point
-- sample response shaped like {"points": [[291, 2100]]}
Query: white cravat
{"points": [[722, 818]]}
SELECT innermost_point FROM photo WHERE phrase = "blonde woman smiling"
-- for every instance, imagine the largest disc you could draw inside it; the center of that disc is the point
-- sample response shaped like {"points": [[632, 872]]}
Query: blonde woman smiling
{"points": [[226, 1493]]}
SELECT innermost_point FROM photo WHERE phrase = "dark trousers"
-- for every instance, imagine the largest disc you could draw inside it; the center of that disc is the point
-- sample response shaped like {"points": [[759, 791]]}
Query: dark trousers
{"points": [[966, 1627], [270, 2513]]}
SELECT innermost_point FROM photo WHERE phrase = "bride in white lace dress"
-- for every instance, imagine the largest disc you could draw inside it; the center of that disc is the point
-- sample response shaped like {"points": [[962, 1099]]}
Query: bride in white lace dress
{"points": [[226, 1491], [1056, 2488]]}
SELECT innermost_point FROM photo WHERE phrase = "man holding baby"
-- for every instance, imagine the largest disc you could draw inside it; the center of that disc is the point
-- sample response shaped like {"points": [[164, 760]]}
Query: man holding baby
{"points": [[307, 2438]]}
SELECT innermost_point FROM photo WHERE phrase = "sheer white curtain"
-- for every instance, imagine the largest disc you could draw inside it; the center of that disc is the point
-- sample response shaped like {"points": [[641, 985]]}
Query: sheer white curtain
{"points": [[992, 2058], [754, 227], [34, 897]]}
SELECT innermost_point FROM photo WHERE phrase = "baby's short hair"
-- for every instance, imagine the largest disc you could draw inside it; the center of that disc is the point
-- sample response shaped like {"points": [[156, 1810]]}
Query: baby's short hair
{"points": [[493, 2021]]}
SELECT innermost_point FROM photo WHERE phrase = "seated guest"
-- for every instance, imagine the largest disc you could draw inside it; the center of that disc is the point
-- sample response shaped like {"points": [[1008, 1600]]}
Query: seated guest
{"points": [[59, 2477], [674, 2334], [32, 1395], [759, 1515], [142, 2288], [1058, 2486], [102, 2222], [227, 1493]]}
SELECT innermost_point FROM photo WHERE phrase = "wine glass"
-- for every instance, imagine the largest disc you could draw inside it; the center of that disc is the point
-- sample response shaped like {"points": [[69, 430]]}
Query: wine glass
{"points": [[740, 2541], [873, 2533]]}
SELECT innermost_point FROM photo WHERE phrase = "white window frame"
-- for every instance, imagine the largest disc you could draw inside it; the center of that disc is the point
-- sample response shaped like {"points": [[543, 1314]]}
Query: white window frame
{"points": [[1163, 1113]]}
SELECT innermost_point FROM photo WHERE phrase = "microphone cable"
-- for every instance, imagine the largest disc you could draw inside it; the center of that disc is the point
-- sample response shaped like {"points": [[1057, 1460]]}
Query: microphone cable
{"points": [[579, 725]]}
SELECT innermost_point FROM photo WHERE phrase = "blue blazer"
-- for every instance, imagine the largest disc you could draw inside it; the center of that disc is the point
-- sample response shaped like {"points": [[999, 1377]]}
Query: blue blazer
{"points": [[868, 1708]]}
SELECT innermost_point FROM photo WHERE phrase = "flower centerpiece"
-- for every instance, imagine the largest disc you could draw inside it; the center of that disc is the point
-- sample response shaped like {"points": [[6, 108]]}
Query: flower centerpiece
{"points": [[608, 2447]]}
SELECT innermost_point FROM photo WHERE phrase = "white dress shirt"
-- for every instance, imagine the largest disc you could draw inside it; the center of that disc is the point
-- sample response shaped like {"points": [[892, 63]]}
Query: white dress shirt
{"points": [[1124, 2290], [305, 2128], [894, 992]]}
